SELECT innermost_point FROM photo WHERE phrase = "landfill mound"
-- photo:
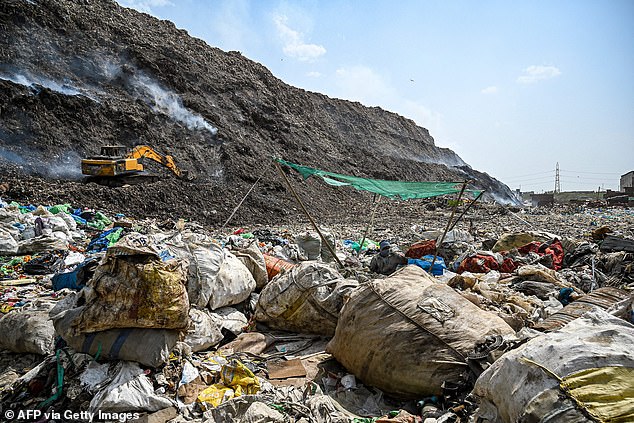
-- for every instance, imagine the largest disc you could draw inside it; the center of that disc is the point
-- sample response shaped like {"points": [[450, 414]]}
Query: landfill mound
{"points": [[78, 75]]}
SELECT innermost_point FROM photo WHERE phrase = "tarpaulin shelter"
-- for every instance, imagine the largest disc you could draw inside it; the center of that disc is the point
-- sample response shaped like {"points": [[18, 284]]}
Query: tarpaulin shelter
{"points": [[404, 189]]}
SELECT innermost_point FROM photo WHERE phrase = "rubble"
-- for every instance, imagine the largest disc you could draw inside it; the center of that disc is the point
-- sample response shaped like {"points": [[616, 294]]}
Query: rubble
{"points": [[158, 320]]}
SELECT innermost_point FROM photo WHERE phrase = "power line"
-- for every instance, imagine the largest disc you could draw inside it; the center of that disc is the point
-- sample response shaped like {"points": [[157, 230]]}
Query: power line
{"points": [[587, 179], [529, 174], [546, 178], [593, 173]]}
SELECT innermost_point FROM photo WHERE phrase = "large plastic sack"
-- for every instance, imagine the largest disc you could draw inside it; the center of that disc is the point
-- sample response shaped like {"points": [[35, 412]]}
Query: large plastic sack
{"points": [[615, 301], [8, 244], [275, 266], [585, 367], [129, 391], [309, 244], [41, 244], [408, 334], [9, 214], [253, 259], [306, 299], [27, 331], [205, 258], [71, 224], [215, 276], [58, 224], [509, 241], [231, 319], [133, 288], [233, 284], [150, 347], [204, 331], [326, 255]]}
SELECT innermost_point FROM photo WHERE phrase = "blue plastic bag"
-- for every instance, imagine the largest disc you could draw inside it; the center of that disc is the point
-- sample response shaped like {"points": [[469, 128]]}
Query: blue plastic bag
{"points": [[425, 263]]}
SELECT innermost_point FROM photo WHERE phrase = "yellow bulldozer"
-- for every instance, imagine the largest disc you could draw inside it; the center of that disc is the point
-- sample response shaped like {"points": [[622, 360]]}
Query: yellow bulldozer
{"points": [[117, 165]]}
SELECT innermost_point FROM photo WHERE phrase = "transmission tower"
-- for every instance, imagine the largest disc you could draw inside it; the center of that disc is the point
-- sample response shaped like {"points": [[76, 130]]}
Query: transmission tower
{"points": [[557, 184]]}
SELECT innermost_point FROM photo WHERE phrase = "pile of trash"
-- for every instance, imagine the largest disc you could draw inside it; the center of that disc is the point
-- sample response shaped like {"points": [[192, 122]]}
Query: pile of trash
{"points": [[108, 318]]}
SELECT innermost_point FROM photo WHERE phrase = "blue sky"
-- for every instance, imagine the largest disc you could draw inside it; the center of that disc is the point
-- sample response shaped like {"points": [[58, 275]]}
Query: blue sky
{"points": [[513, 87]]}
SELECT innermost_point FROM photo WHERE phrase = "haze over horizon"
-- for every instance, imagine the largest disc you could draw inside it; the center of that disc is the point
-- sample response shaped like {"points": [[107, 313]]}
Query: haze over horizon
{"points": [[511, 87]]}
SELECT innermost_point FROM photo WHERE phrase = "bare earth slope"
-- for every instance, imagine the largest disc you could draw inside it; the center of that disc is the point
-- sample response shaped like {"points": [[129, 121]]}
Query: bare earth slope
{"points": [[75, 75]]}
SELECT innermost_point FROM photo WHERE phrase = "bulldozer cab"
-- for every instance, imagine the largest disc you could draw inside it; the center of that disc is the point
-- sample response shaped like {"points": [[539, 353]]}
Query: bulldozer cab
{"points": [[114, 151]]}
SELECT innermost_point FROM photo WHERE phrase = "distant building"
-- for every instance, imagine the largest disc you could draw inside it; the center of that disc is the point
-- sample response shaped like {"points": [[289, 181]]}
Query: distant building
{"points": [[542, 200], [627, 181], [614, 198]]}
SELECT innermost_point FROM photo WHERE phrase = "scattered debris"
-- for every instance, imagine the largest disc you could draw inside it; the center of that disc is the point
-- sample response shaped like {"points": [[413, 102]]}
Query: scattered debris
{"points": [[170, 321]]}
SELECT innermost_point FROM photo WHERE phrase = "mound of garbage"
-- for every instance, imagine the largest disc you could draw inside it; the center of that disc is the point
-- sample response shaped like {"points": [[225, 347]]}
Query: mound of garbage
{"points": [[108, 317], [114, 76]]}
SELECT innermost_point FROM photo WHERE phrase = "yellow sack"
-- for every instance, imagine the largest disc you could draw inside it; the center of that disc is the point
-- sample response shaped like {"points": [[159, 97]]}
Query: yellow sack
{"points": [[237, 380], [240, 378], [215, 395], [607, 393]]}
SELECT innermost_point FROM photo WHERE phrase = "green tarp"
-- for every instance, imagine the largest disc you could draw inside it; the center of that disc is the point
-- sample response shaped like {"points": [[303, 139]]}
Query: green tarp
{"points": [[402, 189]]}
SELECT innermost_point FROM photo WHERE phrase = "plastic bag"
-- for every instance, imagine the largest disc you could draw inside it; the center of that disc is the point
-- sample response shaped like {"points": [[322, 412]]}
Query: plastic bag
{"points": [[237, 380], [27, 331], [150, 347], [130, 390], [307, 299], [253, 259], [580, 354], [204, 257], [134, 290], [408, 334], [204, 331], [233, 284]]}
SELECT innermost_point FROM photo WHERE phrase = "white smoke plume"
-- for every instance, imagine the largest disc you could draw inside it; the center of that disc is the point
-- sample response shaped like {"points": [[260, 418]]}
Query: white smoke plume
{"points": [[62, 166], [170, 103], [32, 81]]}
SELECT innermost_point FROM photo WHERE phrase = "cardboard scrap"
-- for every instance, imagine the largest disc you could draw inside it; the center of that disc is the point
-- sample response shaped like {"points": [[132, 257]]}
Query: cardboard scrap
{"points": [[286, 369]]}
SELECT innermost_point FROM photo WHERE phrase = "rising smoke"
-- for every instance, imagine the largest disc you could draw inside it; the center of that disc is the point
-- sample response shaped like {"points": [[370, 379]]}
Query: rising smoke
{"points": [[63, 166], [159, 98], [32, 81], [170, 104]]}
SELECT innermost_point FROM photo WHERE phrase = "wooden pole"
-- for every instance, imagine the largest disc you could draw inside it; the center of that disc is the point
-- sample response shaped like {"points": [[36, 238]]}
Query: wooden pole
{"points": [[442, 238], [301, 204], [466, 210], [367, 228], [241, 201]]}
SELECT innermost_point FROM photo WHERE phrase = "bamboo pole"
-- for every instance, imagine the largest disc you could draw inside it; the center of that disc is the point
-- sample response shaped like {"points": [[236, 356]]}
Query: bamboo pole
{"points": [[466, 210], [241, 201], [301, 205], [453, 212], [367, 228]]}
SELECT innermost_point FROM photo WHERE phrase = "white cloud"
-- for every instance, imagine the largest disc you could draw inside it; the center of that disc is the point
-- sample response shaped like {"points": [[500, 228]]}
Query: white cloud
{"points": [[490, 90], [294, 45], [314, 74], [423, 116], [362, 84], [538, 73], [145, 5], [231, 28]]}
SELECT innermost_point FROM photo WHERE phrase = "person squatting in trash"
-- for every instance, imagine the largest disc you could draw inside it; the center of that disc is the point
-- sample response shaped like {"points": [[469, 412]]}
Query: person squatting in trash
{"points": [[388, 259]]}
